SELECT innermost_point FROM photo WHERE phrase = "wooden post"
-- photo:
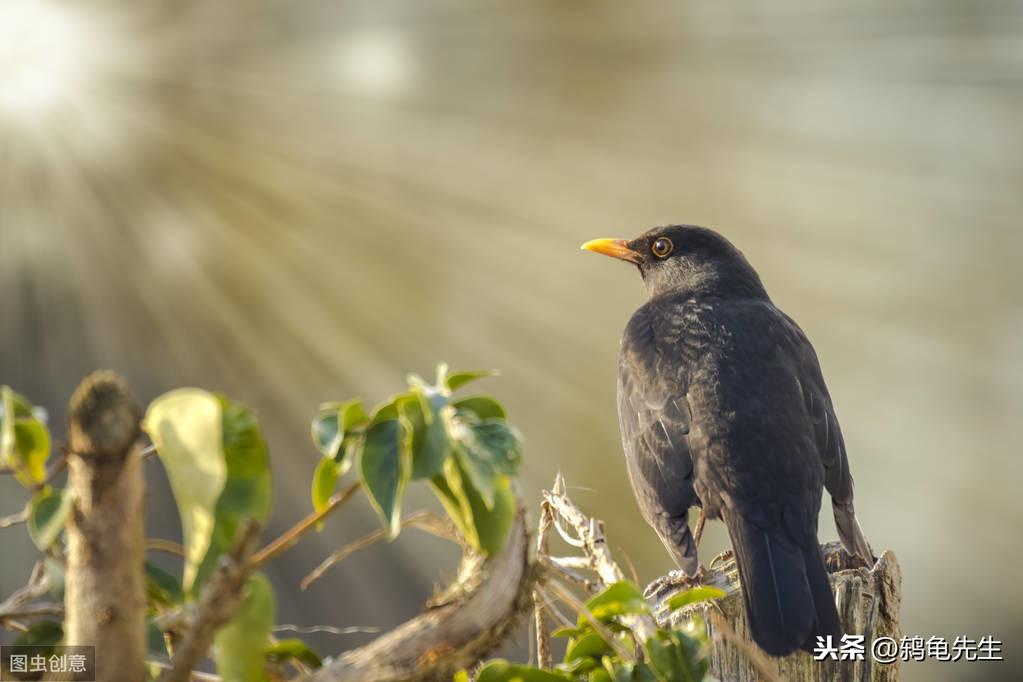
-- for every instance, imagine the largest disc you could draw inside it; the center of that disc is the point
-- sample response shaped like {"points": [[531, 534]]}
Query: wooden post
{"points": [[868, 605], [105, 595]]}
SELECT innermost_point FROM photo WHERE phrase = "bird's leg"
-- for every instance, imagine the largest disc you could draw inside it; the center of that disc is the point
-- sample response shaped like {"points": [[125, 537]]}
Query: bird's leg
{"points": [[675, 580], [698, 531], [678, 578]]}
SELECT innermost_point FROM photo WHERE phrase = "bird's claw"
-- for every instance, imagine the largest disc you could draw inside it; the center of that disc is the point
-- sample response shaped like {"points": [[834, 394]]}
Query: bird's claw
{"points": [[674, 579]]}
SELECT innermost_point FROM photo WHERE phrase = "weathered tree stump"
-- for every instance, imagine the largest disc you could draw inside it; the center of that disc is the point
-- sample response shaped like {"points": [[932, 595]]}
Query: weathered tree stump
{"points": [[868, 605]]}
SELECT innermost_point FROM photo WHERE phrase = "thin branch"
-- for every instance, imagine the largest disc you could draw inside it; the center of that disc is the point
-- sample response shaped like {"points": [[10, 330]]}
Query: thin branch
{"points": [[543, 637], [424, 520], [219, 601], [37, 586], [291, 536], [594, 544], [168, 546], [34, 611], [14, 519]]}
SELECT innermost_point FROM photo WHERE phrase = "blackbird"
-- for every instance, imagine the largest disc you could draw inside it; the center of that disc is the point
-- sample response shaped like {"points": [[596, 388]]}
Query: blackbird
{"points": [[722, 406]]}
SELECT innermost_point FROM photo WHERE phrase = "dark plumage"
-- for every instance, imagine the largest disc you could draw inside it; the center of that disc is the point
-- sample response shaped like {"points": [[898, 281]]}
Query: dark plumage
{"points": [[722, 405]]}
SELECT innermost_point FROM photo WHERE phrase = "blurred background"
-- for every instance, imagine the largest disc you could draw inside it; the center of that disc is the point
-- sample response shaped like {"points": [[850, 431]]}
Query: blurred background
{"points": [[293, 202]]}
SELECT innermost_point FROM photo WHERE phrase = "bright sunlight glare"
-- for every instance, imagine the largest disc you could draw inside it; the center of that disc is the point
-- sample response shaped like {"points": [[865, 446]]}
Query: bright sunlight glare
{"points": [[45, 57]]}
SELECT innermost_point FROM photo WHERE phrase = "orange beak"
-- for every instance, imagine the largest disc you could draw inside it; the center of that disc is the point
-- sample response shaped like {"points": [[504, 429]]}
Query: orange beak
{"points": [[616, 248]]}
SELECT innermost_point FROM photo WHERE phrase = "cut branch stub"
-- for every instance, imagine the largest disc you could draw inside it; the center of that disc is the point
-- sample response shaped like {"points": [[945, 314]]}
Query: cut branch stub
{"points": [[868, 604], [105, 596]]}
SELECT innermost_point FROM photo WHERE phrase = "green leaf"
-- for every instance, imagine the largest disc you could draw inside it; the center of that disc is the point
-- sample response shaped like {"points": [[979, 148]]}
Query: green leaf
{"points": [[239, 645], [430, 444], [483, 406], [484, 528], [456, 380], [493, 523], [186, 426], [500, 670], [246, 493], [218, 467], [696, 594], [477, 468], [589, 645], [163, 590], [673, 656], [617, 599], [324, 482], [599, 675], [48, 510], [502, 444], [384, 468], [334, 425], [293, 649], [572, 632], [24, 439], [41, 633], [449, 489]]}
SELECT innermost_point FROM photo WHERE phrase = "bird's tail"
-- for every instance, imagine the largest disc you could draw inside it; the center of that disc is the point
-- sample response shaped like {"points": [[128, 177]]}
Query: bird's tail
{"points": [[786, 590], [849, 531]]}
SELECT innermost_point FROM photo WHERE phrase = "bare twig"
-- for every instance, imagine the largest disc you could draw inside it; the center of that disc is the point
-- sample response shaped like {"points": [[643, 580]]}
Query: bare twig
{"points": [[14, 607], [219, 601], [543, 637], [14, 519], [590, 533], [423, 520], [291, 536], [168, 546]]}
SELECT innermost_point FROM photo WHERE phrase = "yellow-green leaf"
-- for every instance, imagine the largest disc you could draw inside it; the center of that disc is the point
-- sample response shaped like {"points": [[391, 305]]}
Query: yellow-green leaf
{"points": [[240, 645], [293, 649], [456, 380], [324, 482], [246, 492], [696, 594], [24, 439], [186, 426], [617, 599]]}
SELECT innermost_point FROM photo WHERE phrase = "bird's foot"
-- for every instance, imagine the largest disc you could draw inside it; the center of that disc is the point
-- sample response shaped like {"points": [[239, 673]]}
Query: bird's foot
{"points": [[722, 558], [675, 579]]}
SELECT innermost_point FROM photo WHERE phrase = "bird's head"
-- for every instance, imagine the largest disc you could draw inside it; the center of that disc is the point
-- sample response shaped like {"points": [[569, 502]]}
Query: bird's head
{"points": [[685, 259]]}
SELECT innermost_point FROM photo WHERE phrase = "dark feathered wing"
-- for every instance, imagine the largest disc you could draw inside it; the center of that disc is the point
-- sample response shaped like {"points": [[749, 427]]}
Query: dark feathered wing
{"points": [[831, 447], [654, 417]]}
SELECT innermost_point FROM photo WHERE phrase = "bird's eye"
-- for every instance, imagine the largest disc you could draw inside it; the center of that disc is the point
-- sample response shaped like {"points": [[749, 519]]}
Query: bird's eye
{"points": [[662, 247]]}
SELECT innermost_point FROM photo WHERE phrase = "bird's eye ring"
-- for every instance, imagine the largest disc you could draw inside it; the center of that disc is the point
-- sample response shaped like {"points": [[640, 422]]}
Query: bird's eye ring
{"points": [[662, 247]]}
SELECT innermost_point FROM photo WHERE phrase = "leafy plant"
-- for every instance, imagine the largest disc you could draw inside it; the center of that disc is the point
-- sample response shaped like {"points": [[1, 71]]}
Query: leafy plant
{"points": [[464, 447], [218, 466], [679, 655]]}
